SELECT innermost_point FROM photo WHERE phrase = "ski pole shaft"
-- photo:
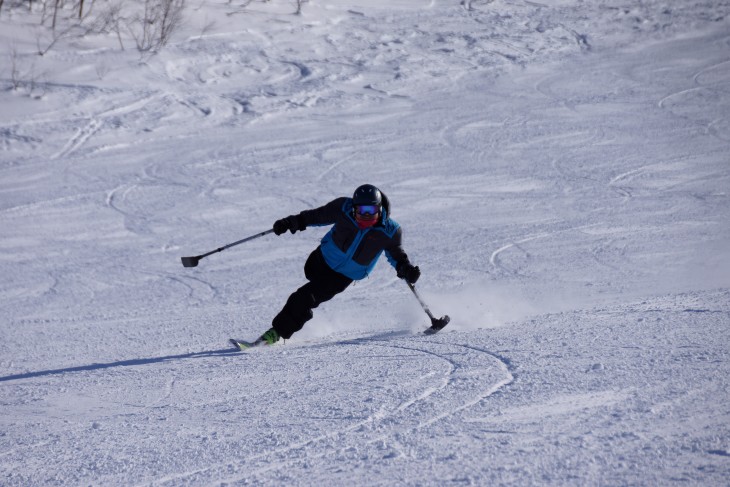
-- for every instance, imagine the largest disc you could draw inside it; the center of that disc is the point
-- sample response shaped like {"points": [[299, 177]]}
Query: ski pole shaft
{"points": [[436, 323], [412, 287], [252, 237], [193, 261]]}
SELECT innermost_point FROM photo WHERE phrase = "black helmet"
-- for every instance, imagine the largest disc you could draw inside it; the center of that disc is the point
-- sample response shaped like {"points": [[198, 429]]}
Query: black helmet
{"points": [[367, 194]]}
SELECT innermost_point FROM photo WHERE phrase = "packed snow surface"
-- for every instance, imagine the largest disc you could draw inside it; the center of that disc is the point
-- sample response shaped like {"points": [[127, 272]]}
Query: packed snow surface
{"points": [[560, 170]]}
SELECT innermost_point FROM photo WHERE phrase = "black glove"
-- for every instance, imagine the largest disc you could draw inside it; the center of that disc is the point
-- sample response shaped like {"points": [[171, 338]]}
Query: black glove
{"points": [[292, 223], [409, 272]]}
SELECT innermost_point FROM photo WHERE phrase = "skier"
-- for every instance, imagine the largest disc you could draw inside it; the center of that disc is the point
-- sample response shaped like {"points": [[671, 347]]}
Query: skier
{"points": [[362, 230]]}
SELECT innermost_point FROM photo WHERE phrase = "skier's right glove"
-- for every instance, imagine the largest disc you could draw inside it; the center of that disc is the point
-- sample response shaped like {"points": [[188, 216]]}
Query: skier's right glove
{"points": [[292, 223], [409, 272]]}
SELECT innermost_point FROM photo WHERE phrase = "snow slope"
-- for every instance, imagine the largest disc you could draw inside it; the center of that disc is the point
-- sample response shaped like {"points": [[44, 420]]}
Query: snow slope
{"points": [[561, 174]]}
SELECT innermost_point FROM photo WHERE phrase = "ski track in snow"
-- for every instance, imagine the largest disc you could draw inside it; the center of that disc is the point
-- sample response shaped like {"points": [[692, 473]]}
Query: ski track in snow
{"points": [[560, 173], [382, 425]]}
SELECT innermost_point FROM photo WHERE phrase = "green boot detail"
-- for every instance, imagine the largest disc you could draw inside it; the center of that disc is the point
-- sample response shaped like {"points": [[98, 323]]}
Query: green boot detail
{"points": [[270, 337]]}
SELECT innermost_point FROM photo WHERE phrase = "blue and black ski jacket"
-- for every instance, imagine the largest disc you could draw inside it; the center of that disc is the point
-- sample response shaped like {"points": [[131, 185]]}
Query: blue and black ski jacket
{"points": [[346, 248]]}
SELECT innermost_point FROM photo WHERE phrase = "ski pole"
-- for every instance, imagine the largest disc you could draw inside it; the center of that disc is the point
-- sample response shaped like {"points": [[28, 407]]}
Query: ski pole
{"points": [[193, 261], [436, 323]]}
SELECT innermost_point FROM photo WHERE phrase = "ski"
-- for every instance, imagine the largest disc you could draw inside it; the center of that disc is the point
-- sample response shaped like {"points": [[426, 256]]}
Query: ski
{"points": [[244, 345]]}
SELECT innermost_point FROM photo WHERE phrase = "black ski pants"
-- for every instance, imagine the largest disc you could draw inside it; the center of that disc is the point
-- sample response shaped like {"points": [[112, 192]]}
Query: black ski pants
{"points": [[324, 284]]}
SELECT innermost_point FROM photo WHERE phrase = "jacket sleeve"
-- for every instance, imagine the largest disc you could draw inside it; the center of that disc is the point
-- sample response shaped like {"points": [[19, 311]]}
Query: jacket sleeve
{"points": [[324, 215], [395, 253]]}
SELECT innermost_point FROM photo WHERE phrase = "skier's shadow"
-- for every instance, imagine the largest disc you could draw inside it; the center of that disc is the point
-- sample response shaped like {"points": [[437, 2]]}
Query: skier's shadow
{"points": [[121, 363]]}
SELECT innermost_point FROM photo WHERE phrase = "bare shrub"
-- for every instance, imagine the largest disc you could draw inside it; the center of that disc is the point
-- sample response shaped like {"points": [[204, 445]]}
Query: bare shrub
{"points": [[15, 76], [102, 70], [111, 20], [153, 28], [25, 78], [299, 4], [45, 45], [150, 23]]}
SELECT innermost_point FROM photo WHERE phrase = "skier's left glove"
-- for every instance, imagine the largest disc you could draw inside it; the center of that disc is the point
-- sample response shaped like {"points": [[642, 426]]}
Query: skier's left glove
{"points": [[292, 223], [409, 272]]}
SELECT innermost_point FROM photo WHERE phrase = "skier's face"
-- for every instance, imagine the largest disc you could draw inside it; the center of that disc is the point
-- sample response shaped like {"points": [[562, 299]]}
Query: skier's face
{"points": [[367, 215]]}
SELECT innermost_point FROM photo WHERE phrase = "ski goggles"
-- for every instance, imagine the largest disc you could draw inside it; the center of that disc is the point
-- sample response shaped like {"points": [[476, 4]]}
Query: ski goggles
{"points": [[367, 211]]}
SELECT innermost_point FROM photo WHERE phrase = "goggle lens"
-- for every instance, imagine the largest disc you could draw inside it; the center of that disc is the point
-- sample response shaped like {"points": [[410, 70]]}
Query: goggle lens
{"points": [[367, 211]]}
